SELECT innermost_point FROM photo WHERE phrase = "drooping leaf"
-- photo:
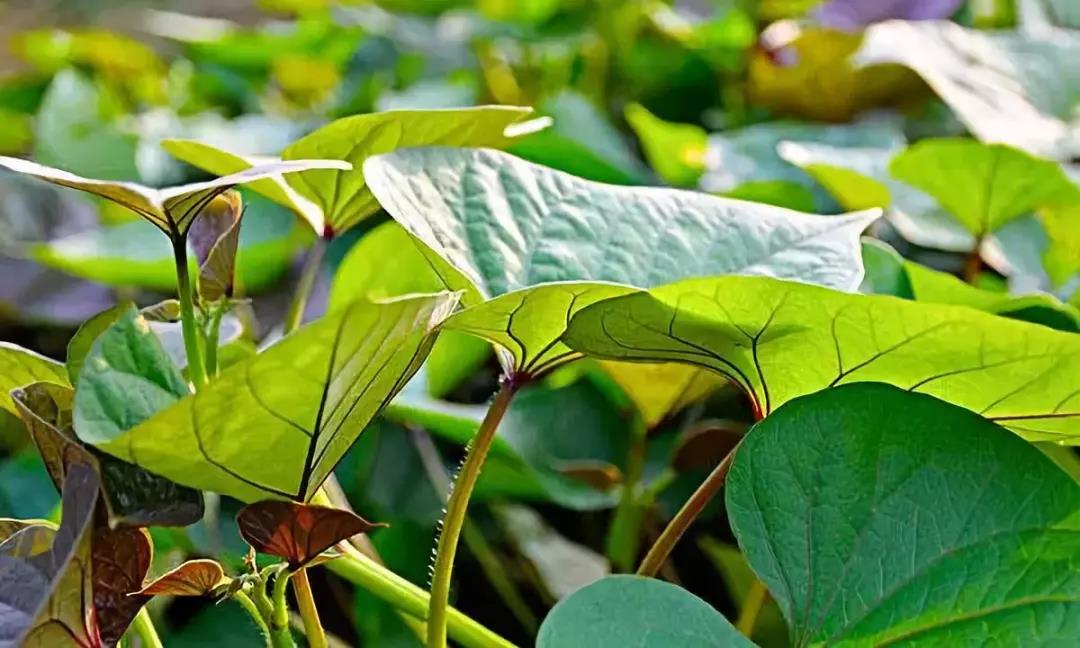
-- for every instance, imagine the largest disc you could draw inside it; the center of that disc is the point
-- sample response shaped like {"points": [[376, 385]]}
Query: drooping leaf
{"points": [[343, 369], [778, 340], [498, 227], [877, 516], [631, 610], [132, 496], [215, 236], [20, 367], [120, 560], [983, 186], [297, 532], [171, 210], [199, 577], [1006, 87], [333, 201]]}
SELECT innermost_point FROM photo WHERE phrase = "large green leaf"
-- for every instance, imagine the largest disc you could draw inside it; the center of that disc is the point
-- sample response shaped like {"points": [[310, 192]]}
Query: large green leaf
{"points": [[619, 611], [341, 370], [498, 227], [1007, 87], [879, 517], [333, 201], [778, 340], [983, 186], [19, 367]]}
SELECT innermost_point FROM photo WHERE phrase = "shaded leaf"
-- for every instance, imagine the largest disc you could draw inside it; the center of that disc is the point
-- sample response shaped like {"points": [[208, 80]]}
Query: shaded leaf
{"points": [[120, 561], [19, 366], [344, 368], [739, 579], [777, 340], [191, 578], [611, 612], [297, 532], [875, 515], [80, 344], [215, 236], [659, 390]]}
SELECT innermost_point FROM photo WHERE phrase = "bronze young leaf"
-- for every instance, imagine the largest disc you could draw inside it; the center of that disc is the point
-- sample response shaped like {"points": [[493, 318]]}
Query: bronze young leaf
{"points": [[120, 561], [192, 578], [297, 532]]}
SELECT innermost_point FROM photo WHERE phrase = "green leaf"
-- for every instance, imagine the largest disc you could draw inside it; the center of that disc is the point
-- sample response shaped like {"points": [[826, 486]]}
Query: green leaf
{"points": [[343, 369], [779, 193], [658, 390], [636, 611], [171, 210], [334, 201], [983, 186], [675, 151], [498, 227], [877, 516], [19, 367], [80, 344], [885, 273], [778, 340], [1062, 257]]}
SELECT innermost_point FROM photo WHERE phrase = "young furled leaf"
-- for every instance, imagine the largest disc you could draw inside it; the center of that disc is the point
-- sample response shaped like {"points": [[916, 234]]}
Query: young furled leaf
{"points": [[343, 368], [332, 201], [876, 517], [120, 561], [778, 340], [171, 210], [297, 532], [526, 238], [192, 578], [214, 237]]}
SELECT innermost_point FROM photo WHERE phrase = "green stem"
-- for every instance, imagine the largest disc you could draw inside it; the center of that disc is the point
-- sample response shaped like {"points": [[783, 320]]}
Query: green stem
{"points": [[143, 627], [279, 618], [244, 601], [313, 629], [308, 276], [212, 341], [661, 549], [364, 572], [624, 535], [751, 608], [187, 315], [456, 508]]}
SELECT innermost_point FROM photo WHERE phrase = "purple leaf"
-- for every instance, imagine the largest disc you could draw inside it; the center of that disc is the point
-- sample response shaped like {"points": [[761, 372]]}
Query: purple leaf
{"points": [[853, 15]]}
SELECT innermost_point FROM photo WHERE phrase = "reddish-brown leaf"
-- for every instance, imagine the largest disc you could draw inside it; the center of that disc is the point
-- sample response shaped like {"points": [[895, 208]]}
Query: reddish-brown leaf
{"points": [[193, 578], [121, 559], [297, 532], [599, 474], [706, 444]]}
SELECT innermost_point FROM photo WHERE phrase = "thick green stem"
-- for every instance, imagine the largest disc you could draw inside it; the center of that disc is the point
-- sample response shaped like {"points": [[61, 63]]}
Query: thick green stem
{"points": [[661, 549], [279, 618], [143, 627], [196, 371], [244, 601], [308, 275], [364, 572], [316, 636], [624, 534], [456, 508]]}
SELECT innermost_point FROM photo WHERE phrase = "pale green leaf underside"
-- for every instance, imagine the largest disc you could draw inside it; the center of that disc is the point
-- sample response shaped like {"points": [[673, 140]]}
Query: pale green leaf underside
{"points": [[880, 517], [340, 200], [302, 402], [497, 226], [779, 340], [20, 367]]}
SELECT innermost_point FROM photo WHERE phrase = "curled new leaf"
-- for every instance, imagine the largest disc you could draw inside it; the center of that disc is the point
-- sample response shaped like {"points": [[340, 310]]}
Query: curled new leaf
{"points": [[214, 237], [192, 578], [120, 561], [297, 532]]}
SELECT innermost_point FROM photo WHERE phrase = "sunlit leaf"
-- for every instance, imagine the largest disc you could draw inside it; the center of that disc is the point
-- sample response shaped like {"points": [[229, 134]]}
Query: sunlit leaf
{"points": [[778, 340], [19, 367], [120, 561], [877, 516], [192, 578], [343, 369], [297, 532], [631, 610], [1062, 257], [675, 151], [661, 389], [333, 201], [215, 236], [500, 228]]}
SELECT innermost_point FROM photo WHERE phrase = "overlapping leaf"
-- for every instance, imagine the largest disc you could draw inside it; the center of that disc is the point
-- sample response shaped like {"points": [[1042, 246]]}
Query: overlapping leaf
{"points": [[877, 517], [19, 367], [333, 201], [522, 235], [304, 399], [215, 236], [120, 560], [777, 340]]}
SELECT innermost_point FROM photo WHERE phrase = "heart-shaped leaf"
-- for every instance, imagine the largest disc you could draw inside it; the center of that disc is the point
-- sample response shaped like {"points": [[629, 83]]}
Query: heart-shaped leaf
{"points": [[621, 611], [333, 201], [215, 236], [343, 369], [120, 561], [498, 227], [171, 210], [297, 532], [778, 340], [20, 367], [192, 578], [876, 516]]}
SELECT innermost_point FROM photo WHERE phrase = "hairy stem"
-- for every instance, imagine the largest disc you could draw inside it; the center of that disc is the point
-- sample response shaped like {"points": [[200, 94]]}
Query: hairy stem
{"points": [[244, 601], [751, 607], [456, 508], [304, 286], [187, 315], [316, 637], [364, 572], [143, 627], [661, 549], [279, 618]]}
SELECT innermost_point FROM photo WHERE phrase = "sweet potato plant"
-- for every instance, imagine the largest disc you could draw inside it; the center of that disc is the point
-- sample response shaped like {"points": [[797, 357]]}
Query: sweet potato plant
{"points": [[873, 452]]}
